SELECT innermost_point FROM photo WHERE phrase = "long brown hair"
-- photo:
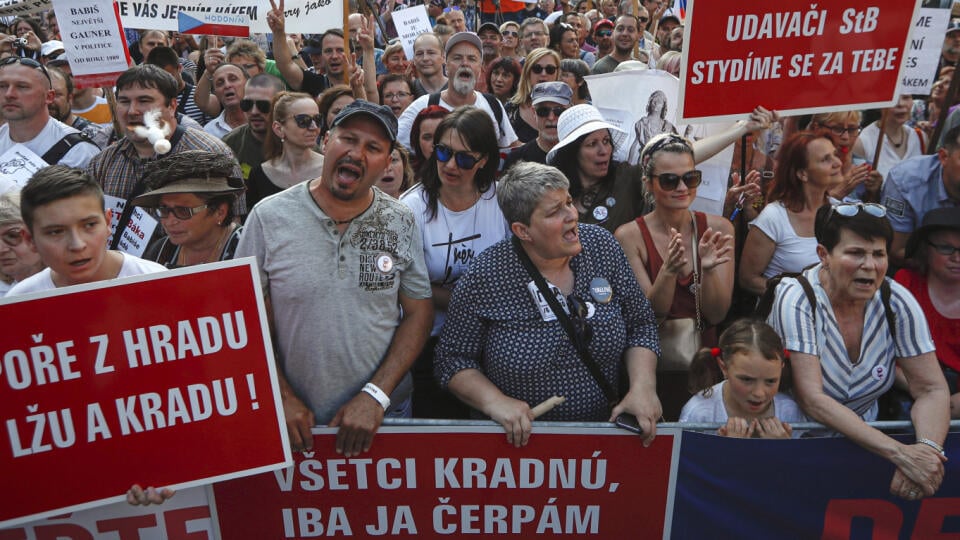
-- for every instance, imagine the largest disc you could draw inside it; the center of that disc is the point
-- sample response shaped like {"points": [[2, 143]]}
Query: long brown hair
{"points": [[791, 159]]}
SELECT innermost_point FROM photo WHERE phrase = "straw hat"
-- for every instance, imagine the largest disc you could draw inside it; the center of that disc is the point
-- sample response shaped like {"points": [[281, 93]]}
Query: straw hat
{"points": [[581, 120]]}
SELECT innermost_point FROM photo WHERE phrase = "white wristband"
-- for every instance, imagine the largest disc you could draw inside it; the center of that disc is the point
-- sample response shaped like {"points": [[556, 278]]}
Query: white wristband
{"points": [[933, 445], [382, 398]]}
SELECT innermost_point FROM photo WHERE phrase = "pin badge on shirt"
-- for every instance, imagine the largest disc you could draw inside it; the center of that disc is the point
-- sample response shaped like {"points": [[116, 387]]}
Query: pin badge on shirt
{"points": [[611, 201], [879, 373], [600, 290], [384, 263], [600, 213]]}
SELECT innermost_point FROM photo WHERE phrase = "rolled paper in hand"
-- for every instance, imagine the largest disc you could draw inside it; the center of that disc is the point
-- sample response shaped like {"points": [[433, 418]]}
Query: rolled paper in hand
{"points": [[547, 406]]}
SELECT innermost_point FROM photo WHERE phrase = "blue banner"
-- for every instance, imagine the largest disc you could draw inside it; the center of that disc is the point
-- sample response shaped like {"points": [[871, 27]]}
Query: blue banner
{"points": [[806, 488]]}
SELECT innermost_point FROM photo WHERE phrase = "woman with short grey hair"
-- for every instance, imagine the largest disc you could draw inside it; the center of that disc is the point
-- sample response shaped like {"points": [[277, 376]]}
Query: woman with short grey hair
{"points": [[17, 260], [553, 311]]}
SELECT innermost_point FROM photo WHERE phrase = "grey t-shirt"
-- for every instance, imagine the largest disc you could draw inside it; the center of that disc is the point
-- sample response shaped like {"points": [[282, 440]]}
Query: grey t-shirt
{"points": [[334, 296]]}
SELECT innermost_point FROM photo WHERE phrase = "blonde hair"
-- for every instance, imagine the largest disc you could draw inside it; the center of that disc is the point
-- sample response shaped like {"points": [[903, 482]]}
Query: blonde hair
{"points": [[279, 108], [525, 88]]}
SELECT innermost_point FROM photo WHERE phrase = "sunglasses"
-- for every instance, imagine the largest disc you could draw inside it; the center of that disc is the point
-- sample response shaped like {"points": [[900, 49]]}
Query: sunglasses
{"points": [[263, 105], [852, 209], [538, 69], [304, 121], [12, 237], [544, 112], [29, 62], [463, 159], [182, 213], [840, 130], [643, 19], [510, 33], [944, 249], [670, 181], [604, 33], [451, 8]]}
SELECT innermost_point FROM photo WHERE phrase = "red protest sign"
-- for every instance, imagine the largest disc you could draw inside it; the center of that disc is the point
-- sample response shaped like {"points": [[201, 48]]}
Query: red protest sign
{"points": [[454, 482], [791, 56], [165, 379]]}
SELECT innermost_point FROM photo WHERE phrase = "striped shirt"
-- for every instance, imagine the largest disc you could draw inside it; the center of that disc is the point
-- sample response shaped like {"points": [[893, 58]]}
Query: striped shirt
{"points": [[855, 385]]}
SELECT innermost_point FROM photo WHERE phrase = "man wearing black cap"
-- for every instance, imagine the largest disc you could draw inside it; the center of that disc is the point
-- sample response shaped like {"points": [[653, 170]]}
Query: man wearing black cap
{"points": [[489, 34], [345, 284]]}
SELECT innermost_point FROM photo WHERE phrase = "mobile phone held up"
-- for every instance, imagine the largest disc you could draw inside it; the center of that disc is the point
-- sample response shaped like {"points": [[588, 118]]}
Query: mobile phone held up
{"points": [[628, 422]]}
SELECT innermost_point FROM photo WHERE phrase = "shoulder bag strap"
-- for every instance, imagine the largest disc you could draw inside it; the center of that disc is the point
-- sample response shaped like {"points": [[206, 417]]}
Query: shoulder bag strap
{"points": [[567, 324], [696, 273]]}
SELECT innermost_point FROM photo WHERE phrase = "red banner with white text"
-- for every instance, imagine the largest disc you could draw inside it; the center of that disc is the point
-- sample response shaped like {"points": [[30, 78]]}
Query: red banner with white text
{"points": [[164, 379], [791, 56]]}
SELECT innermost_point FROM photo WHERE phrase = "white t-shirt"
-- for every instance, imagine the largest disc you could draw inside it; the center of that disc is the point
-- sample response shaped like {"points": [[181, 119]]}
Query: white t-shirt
{"points": [[42, 280], [793, 252], [451, 240], [78, 156], [405, 122], [888, 154], [703, 409]]}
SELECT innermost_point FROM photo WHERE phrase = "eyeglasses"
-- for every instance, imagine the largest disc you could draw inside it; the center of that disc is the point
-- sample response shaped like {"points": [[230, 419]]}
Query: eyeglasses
{"points": [[182, 213], [303, 121], [263, 105], [544, 112], [29, 62], [510, 33], [852, 209], [604, 33], [538, 69], [944, 249], [12, 237], [670, 181], [396, 95], [464, 160], [840, 130], [578, 316], [534, 34]]}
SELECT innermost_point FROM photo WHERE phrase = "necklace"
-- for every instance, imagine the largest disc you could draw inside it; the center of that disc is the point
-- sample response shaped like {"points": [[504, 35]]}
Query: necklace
{"points": [[897, 144]]}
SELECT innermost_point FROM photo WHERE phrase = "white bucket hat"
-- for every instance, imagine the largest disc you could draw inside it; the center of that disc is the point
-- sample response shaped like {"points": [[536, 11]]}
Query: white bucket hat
{"points": [[581, 120]]}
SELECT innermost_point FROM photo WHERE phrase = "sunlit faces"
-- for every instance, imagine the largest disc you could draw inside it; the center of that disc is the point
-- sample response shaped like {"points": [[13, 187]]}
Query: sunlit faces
{"points": [[256, 118], [288, 130], [854, 267], [672, 163], [823, 164], [545, 66], [534, 36], [71, 237], [625, 34], [18, 261], [456, 20], [593, 157], [24, 92], [133, 101], [752, 383], [228, 85], [396, 63], [501, 82], [450, 172], [356, 153], [392, 178], [427, 55], [569, 44], [200, 230], [150, 40], [901, 112], [333, 56], [510, 36], [59, 107], [397, 95], [463, 65], [337, 105], [428, 128], [552, 232], [247, 63], [491, 42], [946, 268], [547, 125]]}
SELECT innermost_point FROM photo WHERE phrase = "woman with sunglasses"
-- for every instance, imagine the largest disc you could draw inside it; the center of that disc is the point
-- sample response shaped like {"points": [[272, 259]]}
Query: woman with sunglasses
{"points": [[18, 260], [503, 349], [682, 259], [456, 210], [781, 238], [510, 41], [192, 197], [848, 330], [860, 180], [934, 279], [541, 65], [289, 147]]}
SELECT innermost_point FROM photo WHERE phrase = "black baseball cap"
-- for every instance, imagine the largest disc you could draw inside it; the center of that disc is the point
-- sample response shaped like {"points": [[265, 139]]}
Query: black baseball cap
{"points": [[381, 113]]}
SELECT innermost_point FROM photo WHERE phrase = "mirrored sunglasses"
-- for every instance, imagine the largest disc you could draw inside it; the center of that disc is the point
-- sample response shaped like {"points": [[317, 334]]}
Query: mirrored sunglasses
{"points": [[464, 160], [852, 209], [263, 105], [670, 181]]}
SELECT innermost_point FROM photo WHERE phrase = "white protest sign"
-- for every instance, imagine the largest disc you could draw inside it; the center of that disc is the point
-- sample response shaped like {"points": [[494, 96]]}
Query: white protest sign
{"points": [[93, 41], [923, 54], [410, 23], [302, 16], [17, 165], [14, 8], [138, 231]]}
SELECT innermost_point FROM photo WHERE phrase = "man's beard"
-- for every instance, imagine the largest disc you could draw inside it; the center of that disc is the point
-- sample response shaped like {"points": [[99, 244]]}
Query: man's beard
{"points": [[461, 86]]}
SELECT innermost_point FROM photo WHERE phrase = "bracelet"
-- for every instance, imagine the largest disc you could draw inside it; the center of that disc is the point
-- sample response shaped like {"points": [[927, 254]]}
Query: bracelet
{"points": [[933, 445], [376, 393]]}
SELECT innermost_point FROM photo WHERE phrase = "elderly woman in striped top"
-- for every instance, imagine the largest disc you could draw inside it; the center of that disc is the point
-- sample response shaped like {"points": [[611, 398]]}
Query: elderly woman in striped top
{"points": [[847, 328]]}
